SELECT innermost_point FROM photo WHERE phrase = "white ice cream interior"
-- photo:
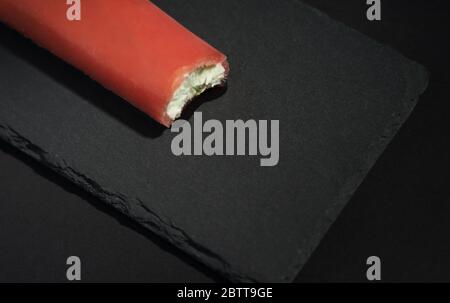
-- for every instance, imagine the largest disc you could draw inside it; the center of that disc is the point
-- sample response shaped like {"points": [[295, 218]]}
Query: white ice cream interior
{"points": [[193, 85]]}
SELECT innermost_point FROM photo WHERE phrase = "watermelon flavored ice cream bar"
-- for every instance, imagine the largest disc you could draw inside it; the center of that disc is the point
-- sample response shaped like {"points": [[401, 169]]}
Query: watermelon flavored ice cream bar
{"points": [[131, 47]]}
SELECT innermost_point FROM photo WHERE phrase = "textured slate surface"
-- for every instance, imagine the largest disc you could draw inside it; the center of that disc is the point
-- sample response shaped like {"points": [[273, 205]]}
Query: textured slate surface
{"points": [[339, 97]]}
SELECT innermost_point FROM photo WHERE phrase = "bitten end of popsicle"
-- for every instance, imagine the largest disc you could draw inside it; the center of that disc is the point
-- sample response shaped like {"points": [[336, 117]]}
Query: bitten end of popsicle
{"points": [[194, 84]]}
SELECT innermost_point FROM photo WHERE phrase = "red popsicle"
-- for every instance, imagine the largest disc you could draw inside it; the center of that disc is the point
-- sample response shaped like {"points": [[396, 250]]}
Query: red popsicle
{"points": [[129, 46]]}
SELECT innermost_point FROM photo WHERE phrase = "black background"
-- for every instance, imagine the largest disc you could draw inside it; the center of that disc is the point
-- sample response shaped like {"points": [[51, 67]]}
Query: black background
{"points": [[400, 212]]}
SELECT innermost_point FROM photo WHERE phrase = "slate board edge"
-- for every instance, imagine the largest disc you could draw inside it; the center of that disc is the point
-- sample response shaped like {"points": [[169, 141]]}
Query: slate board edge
{"points": [[416, 86], [152, 222]]}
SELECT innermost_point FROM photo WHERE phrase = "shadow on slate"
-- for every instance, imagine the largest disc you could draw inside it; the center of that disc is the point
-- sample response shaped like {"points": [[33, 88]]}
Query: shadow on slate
{"points": [[340, 97]]}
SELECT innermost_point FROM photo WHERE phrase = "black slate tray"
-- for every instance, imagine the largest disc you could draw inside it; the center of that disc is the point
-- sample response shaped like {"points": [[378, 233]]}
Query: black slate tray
{"points": [[340, 97]]}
